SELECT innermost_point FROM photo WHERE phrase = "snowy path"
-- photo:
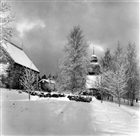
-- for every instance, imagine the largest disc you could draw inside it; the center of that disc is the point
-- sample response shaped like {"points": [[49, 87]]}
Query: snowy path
{"points": [[62, 117], [114, 120]]}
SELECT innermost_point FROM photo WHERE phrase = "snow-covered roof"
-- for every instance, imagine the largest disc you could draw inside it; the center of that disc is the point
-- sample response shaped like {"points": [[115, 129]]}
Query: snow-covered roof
{"points": [[47, 80], [93, 55], [18, 55]]}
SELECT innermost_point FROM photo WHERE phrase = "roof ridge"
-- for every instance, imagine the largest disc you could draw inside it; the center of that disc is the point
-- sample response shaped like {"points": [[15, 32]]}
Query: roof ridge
{"points": [[14, 44]]}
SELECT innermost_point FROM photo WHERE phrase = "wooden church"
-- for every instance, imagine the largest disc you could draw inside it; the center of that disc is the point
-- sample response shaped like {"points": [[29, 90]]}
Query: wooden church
{"points": [[13, 61]]}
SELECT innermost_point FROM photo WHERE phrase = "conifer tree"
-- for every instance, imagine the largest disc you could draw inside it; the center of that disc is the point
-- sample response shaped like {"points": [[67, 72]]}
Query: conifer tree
{"points": [[106, 61], [132, 74], [44, 77], [105, 65]]}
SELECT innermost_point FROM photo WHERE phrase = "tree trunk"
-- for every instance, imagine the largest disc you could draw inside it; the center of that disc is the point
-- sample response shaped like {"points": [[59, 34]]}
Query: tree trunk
{"points": [[29, 96], [124, 100], [128, 101], [101, 98], [112, 98], [131, 99], [132, 102], [108, 97], [119, 102]]}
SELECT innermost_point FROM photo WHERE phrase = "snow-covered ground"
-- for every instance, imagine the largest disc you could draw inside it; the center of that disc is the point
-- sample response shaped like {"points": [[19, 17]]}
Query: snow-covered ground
{"points": [[53, 116], [114, 120]]}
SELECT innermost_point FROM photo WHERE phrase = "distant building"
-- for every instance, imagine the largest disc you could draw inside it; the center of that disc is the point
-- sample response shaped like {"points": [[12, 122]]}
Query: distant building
{"points": [[47, 85], [93, 73], [94, 68], [13, 56]]}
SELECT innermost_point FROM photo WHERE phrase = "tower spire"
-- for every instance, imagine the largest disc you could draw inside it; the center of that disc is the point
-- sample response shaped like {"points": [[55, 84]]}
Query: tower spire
{"points": [[93, 50]]}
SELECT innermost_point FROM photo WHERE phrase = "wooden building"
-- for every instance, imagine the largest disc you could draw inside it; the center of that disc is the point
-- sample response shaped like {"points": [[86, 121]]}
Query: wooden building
{"points": [[47, 85], [13, 60]]}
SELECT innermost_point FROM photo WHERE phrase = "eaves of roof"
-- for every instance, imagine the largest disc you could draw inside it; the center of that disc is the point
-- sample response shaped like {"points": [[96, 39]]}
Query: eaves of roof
{"points": [[18, 55]]}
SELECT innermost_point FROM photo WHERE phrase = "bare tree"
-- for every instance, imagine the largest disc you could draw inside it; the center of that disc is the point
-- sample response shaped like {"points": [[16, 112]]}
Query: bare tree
{"points": [[28, 80], [73, 69], [116, 83], [114, 80], [6, 17]]}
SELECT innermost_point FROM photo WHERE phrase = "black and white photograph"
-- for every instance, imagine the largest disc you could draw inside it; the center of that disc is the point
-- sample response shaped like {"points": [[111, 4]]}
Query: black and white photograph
{"points": [[69, 68]]}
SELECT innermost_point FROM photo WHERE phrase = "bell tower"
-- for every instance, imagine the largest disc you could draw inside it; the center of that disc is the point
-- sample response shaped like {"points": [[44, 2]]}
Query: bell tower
{"points": [[94, 67], [93, 72]]}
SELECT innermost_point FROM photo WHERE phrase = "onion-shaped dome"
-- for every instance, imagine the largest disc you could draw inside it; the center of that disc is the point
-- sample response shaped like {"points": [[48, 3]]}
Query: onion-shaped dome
{"points": [[94, 68], [94, 58]]}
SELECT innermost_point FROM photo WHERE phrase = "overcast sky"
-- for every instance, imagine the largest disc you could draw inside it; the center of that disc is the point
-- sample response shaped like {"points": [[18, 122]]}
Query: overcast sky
{"points": [[43, 27]]}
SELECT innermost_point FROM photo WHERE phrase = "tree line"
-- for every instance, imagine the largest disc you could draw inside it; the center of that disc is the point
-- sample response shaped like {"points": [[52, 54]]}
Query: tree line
{"points": [[119, 71]]}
